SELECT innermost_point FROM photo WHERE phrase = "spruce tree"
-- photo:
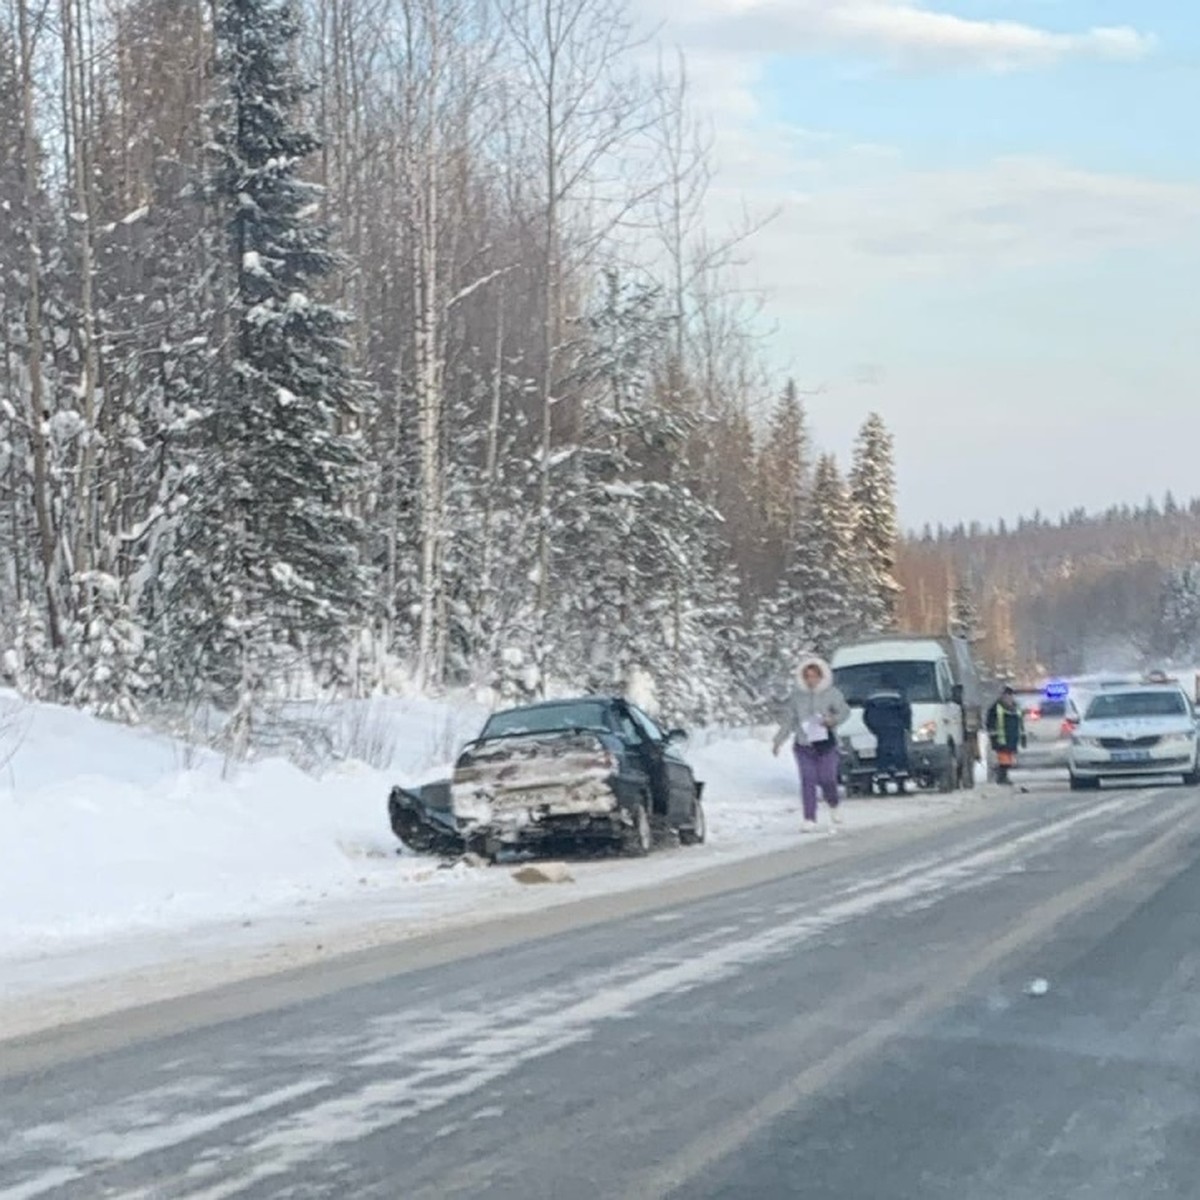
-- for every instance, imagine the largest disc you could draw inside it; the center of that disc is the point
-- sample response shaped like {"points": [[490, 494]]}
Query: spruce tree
{"points": [[602, 595], [964, 612], [106, 668], [274, 573], [873, 496], [156, 264], [818, 605], [636, 593], [1180, 638], [783, 470]]}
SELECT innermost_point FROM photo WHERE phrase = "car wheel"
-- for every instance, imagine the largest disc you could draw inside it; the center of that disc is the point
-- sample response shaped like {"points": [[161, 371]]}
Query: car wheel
{"points": [[695, 834], [1192, 778], [1079, 784], [638, 839]]}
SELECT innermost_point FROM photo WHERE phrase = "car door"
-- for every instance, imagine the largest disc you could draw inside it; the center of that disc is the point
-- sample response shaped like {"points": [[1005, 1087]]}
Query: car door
{"points": [[637, 765], [673, 780], [645, 755]]}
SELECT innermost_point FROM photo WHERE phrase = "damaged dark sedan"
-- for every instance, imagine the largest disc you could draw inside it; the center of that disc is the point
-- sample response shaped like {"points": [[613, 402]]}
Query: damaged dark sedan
{"points": [[589, 773]]}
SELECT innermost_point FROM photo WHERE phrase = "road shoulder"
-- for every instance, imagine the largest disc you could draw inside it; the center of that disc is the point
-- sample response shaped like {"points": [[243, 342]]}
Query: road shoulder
{"points": [[220, 980]]}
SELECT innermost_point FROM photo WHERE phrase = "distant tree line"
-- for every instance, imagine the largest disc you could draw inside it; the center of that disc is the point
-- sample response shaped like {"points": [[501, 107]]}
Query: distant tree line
{"points": [[1117, 589], [355, 344]]}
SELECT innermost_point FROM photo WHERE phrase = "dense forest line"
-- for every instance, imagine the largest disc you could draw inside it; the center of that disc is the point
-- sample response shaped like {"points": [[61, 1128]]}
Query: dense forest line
{"points": [[361, 344], [1110, 590]]}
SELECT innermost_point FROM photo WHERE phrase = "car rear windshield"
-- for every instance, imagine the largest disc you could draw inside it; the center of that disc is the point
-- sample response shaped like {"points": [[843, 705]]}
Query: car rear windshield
{"points": [[917, 680], [548, 718], [1114, 705]]}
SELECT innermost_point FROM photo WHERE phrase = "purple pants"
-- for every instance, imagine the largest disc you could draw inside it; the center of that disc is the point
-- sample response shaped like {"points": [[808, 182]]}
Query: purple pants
{"points": [[818, 769]]}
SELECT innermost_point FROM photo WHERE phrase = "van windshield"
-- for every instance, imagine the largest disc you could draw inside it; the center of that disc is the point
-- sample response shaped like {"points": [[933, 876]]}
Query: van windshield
{"points": [[917, 680]]}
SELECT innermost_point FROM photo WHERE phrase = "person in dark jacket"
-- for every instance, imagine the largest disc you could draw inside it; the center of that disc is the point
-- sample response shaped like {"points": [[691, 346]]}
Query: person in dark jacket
{"points": [[1006, 731], [888, 715]]}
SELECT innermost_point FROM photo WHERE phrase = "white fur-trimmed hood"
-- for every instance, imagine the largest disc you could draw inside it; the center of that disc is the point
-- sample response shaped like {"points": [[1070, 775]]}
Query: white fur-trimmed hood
{"points": [[815, 660]]}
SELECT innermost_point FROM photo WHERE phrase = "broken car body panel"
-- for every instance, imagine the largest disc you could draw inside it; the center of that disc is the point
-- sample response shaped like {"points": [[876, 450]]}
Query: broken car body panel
{"points": [[514, 780]]}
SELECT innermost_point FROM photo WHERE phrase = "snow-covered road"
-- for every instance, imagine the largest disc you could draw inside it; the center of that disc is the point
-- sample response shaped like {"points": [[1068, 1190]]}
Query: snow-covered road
{"points": [[861, 1022]]}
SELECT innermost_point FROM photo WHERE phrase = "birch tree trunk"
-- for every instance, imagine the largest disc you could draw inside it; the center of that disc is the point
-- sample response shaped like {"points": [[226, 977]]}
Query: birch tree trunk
{"points": [[491, 464], [76, 57], [424, 59], [37, 410]]}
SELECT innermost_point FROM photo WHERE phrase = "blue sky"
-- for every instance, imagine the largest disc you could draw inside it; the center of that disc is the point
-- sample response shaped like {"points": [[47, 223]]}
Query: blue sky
{"points": [[988, 228]]}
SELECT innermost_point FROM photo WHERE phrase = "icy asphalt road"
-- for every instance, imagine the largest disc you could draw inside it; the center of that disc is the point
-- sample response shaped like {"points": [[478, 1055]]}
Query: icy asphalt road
{"points": [[853, 1025]]}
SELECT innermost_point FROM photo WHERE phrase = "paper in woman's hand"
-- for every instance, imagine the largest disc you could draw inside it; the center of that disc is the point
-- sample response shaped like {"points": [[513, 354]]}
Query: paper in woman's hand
{"points": [[816, 730]]}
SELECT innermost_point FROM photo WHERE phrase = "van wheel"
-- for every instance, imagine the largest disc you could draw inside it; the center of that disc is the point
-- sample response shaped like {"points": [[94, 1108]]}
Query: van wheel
{"points": [[948, 779], [638, 839]]}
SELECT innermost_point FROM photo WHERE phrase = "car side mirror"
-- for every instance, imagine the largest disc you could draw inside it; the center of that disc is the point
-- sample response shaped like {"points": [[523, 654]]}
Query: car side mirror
{"points": [[956, 693], [677, 735]]}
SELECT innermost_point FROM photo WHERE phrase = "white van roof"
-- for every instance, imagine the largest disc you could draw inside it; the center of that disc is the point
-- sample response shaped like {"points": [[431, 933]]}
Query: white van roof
{"points": [[888, 650]]}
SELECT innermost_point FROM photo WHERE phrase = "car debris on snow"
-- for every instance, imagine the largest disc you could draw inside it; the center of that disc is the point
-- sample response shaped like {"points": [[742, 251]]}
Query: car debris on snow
{"points": [[553, 872], [470, 859]]}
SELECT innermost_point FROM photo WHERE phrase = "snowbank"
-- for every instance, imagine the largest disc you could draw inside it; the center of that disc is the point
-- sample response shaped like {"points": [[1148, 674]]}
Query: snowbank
{"points": [[113, 841], [106, 829]]}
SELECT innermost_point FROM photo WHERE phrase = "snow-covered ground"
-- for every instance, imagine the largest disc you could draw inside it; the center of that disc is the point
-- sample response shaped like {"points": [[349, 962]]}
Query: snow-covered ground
{"points": [[114, 842]]}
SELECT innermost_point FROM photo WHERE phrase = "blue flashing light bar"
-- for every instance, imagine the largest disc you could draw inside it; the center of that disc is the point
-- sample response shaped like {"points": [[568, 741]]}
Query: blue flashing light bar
{"points": [[1056, 690]]}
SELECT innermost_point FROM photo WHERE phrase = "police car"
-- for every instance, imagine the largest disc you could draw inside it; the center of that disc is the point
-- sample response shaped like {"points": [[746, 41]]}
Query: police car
{"points": [[1135, 729], [1050, 718]]}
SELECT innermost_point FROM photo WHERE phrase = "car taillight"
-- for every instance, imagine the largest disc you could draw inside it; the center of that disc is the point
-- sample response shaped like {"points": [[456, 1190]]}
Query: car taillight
{"points": [[1034, 714], [1068, 727]]}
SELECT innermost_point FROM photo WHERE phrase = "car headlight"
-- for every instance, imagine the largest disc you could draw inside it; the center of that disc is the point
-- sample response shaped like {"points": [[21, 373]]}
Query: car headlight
{"points": [[1089, 743], [1175, 739], [926, 733]]}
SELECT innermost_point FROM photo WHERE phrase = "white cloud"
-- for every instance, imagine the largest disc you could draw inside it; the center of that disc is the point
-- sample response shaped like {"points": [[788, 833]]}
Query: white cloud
{"points": [[904, 33], [858, 220], [855, 220]]}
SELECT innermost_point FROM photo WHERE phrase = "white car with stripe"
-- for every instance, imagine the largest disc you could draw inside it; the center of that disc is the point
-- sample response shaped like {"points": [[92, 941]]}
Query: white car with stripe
{"points": [[1147, 729]]}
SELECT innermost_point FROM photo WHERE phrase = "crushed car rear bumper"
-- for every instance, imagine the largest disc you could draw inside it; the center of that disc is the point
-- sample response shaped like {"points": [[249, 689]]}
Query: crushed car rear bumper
{"points": [[422, 820]]}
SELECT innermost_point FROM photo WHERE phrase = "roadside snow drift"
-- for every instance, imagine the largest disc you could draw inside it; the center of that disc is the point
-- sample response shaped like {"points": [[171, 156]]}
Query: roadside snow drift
{"points": [[108, 832], [107, 829]]}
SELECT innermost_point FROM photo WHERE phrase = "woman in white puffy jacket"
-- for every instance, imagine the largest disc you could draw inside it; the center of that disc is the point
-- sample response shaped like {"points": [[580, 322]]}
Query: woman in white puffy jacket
{"points": [[815, 709]]}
